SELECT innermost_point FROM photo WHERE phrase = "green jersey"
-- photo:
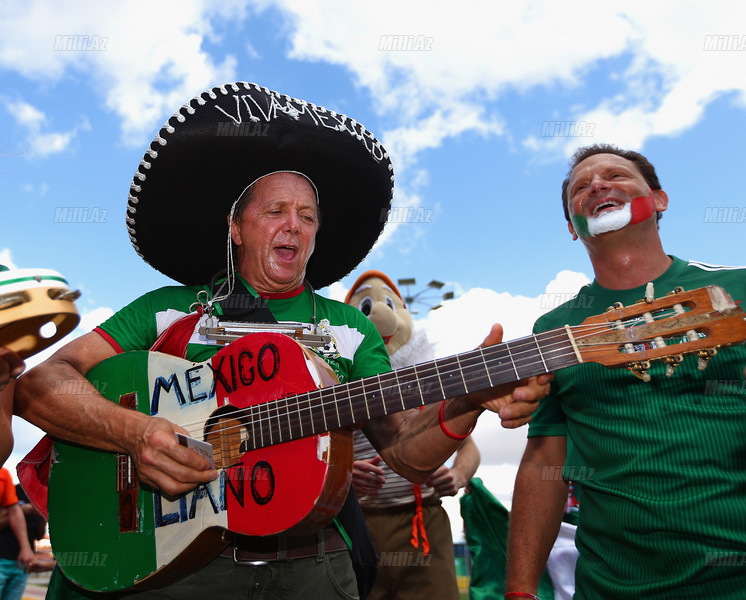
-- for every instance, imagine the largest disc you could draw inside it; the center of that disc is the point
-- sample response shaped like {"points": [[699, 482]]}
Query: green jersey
{"points": [[662, 464]]}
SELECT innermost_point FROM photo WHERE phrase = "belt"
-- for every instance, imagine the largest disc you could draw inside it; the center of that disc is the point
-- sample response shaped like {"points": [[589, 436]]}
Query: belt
{"points": [[402, 508], [260, 550]]}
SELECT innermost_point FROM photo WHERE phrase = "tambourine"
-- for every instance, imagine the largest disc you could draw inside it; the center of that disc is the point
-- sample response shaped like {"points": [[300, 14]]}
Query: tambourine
{"points": [[36, 310]]}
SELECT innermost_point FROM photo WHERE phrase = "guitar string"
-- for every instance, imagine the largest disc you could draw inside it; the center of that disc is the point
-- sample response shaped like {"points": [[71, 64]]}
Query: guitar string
{"points": [[375, 385], [304, 401]]}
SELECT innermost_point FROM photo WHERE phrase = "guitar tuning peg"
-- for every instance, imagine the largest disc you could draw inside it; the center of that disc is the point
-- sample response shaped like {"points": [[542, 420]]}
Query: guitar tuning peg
{"points": [[640, 370], [649, 292], [704, 356], [617, 306], [671, 363]]}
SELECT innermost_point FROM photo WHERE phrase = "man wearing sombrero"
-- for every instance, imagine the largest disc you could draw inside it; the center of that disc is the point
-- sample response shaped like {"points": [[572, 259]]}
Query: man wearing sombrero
{"points": [[304, 197]]}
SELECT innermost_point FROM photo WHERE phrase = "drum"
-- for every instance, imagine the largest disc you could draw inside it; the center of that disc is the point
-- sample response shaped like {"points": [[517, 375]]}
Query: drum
{"points": [[36, 309]]}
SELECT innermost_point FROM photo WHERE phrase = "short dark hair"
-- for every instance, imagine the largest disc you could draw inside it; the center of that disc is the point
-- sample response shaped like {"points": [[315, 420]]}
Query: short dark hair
{"points": [[647, 170]]}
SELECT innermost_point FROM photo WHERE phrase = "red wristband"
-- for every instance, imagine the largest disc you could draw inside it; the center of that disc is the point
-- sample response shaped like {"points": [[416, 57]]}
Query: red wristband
{"points": [[444, 429], [520, 595]]}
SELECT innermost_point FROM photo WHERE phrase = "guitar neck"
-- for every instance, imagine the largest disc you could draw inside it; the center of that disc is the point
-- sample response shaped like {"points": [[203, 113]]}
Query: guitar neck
{"points": [[356, 402]]}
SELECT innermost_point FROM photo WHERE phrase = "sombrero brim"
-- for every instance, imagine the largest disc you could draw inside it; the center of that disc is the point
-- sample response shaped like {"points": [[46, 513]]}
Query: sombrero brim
{"points": [[225, 138]]}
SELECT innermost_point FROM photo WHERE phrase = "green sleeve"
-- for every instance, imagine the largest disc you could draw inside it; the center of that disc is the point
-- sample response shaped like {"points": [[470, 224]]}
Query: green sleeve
{"points": [[134, 327]]}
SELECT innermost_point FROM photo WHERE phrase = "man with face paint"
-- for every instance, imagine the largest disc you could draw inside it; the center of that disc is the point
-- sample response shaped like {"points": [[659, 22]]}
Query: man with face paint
{"points": [[660, 465]]}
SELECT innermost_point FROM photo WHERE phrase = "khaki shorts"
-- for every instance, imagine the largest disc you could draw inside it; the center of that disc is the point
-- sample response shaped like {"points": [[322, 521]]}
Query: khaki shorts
{"points": [[404, 572]]}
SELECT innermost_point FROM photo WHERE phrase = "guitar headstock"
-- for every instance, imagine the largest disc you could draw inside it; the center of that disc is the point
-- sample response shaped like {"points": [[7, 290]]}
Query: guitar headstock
{"points": [[668, 328]]}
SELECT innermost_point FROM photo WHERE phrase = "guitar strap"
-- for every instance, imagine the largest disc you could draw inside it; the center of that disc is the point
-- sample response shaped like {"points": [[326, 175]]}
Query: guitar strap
{"points": [[175, 338], [246, 308], [354, 528], [241, 306], [33, 473]]}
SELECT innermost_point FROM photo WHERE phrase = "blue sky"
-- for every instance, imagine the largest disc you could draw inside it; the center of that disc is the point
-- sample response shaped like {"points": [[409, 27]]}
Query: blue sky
{"points": [[465, 108]]}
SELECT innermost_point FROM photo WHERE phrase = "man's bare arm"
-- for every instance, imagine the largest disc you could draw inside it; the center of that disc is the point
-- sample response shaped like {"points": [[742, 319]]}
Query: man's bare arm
{"points": [[448, 481], [17, 522], [56, 397], [536, 514], [413, 443]]}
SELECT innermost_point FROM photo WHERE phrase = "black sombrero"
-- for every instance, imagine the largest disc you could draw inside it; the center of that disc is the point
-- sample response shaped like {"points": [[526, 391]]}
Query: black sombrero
{"points": [[225, 138]]}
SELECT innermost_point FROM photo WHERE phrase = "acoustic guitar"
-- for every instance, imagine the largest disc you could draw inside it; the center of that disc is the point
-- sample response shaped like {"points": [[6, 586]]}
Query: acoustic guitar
{"points": [[281, 433]]}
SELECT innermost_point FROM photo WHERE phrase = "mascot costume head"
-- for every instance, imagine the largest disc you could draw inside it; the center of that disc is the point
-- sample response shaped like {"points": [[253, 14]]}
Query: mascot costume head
{"points": [[379, 299]]}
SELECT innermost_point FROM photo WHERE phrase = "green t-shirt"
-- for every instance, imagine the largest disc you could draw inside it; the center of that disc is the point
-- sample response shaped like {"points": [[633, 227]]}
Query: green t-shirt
{"points": [[662, 464], [360, 347]]}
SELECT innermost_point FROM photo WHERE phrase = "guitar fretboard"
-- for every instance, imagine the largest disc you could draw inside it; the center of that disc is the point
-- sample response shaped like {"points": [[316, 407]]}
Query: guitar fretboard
{"points": [[356, 402]]}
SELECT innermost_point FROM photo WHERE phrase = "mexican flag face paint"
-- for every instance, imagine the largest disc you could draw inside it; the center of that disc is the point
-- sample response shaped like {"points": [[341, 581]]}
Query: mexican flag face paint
{"points": [[636, 211]]}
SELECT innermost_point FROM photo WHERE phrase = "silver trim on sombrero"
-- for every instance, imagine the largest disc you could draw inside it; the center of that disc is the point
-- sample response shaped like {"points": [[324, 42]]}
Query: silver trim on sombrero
{"points": [[167, 129]]}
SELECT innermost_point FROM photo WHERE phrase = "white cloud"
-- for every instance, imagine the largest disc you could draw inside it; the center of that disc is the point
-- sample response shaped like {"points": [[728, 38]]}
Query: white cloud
{"points": [[41, 143], [93, 318], [463, 323], [6, 258], [155, 58], [476, 48], [337, 291], [151, 62], [562, 288], [654, 76], [38, 190], [25, 114], [664, 76]]}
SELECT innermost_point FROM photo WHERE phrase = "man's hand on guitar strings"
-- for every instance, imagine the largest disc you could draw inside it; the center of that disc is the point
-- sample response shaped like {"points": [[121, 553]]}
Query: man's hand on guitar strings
{"points": [[164, 463], [514, 402]]}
